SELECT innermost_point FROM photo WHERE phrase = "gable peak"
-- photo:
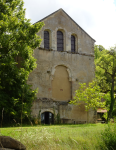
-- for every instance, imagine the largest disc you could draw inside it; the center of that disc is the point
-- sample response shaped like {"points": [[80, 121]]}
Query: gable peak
{"points": [[69, 17]]}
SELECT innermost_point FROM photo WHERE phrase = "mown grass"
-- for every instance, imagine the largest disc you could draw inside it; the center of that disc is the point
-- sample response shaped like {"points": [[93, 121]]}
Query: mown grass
{"points": [[59, 137]]}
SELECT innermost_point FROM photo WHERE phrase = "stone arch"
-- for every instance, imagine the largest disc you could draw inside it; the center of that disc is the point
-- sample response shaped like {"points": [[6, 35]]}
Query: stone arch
{"points": [[68, 70], [61, 86], [47, 117], [48, 110], [76, 41]]}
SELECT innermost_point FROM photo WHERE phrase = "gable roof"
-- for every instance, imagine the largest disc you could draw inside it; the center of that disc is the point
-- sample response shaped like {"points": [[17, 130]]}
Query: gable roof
{"points": [[69, 17]]}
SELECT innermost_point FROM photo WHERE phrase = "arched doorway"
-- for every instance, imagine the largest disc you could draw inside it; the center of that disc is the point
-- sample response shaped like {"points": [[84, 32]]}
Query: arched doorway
{"points": [[61, 86], [47, 118]]}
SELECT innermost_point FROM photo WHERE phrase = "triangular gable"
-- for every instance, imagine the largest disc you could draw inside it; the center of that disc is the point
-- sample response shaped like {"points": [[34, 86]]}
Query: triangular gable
{"points": [[68, 16]]}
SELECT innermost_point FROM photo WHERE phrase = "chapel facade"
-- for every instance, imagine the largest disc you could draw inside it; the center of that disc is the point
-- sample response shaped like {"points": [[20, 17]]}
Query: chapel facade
{"points": [[65, 58]]}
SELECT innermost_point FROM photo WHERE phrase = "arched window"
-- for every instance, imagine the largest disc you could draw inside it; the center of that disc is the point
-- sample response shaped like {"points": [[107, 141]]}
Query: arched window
{"points": [[60, 43], [46, 39], [72, 43]]}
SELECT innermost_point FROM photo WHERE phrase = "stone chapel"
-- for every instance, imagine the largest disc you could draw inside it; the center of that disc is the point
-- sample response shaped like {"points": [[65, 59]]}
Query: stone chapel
{"points": [[65, 58]]}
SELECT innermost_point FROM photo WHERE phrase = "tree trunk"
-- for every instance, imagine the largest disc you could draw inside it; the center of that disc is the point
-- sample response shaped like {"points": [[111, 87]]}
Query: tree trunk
{"points": [[87, 116], [112, 100]]}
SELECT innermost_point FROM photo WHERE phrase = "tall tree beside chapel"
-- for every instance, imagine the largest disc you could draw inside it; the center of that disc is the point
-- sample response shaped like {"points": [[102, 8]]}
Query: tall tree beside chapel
{"points": [[18, 39]]}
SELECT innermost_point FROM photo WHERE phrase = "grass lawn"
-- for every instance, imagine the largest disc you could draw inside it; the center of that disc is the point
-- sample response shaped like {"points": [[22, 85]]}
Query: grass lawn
{"points": [[58, 137]]}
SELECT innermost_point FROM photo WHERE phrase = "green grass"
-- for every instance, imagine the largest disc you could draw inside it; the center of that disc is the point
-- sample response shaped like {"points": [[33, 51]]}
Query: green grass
{"points": [[58, 137]]}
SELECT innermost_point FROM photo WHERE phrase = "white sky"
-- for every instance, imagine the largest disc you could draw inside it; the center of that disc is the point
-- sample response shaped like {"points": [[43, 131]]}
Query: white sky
{"points": [[96, 17]]}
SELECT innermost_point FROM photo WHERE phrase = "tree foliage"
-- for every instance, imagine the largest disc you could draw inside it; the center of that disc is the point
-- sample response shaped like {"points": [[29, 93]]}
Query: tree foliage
{"points": [[18, 39], [105, 62], [90, 95]]}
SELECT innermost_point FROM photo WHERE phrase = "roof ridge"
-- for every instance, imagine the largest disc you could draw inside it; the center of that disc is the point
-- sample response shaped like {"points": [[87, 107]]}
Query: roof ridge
{"points": [[69, 17], [49, 15]]}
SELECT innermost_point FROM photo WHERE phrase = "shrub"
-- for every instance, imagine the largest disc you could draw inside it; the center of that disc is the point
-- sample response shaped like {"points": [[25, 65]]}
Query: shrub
{"points": [[108, 137]]}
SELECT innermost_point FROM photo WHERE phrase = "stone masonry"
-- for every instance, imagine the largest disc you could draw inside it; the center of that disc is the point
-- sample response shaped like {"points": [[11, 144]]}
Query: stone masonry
{"points": [[59, 73]]}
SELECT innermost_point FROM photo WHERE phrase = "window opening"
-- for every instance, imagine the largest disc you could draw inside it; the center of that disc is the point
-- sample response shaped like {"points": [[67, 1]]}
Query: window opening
{"points": [[72, 44], [46, 39], [60, 43]]}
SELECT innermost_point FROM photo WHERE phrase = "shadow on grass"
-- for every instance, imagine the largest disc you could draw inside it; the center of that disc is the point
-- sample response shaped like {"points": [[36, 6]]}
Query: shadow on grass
{"points": [[52, 125]]}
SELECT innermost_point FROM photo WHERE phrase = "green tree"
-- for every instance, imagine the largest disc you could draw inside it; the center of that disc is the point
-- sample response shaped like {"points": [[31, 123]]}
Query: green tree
{"points": [[90, 95], [97, 51], [106, 74], [99, 73], [18, 39]]}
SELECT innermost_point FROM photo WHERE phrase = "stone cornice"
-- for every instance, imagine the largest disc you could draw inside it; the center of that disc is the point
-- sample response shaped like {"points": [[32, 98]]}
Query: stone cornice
{"points": [[51, 100], [79, 53]]}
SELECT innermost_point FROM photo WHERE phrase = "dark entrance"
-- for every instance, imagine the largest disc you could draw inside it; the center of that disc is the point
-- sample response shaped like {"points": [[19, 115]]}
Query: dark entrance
{"points": [[47, 118]]}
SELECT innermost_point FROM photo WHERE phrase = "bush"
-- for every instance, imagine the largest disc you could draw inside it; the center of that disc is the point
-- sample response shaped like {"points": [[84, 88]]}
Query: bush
{"points": [[108, 137]]}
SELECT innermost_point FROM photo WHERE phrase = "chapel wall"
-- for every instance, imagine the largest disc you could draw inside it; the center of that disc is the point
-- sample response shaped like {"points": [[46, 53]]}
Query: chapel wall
{"points": [[60, 21], [77, 67], [68, 113], [81, 70]]}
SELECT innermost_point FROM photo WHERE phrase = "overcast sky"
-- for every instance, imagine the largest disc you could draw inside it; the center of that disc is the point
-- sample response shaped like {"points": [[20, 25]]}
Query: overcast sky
{"points": [[96, 17]]}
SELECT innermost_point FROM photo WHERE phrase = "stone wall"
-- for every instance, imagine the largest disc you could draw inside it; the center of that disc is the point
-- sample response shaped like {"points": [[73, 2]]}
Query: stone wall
{"points": [[60, 21], [58, 74], [79, 69]]}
